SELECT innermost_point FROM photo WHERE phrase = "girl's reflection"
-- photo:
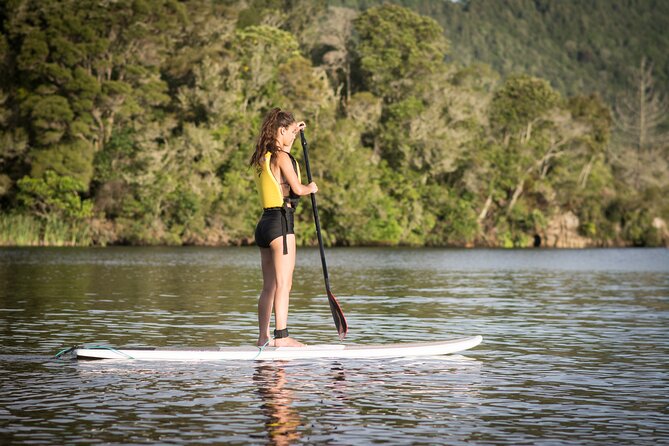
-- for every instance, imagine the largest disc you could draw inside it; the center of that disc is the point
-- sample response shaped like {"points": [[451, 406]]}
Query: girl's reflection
{"points": [[282, 420]]}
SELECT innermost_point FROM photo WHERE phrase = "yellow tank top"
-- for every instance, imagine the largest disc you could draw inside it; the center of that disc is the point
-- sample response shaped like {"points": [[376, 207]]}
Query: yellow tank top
{"points": [[268, 186]]}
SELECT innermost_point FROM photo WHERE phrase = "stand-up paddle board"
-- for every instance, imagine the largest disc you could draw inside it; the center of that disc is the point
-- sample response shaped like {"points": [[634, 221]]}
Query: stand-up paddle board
{"points": [[276, 353]]}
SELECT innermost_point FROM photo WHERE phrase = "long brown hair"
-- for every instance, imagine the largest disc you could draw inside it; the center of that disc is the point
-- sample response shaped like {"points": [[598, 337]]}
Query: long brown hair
{"points": [[275, 119]]}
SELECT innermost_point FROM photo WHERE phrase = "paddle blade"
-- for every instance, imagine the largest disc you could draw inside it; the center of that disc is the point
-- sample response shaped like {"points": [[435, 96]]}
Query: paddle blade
{"points": [[338, 316]]}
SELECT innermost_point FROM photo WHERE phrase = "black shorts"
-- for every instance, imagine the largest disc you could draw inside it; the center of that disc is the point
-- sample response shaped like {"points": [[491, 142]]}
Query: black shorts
{"points": [[275, 222]]}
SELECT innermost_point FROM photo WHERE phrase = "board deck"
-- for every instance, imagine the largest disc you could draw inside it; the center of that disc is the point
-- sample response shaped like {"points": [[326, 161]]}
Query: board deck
{"points": [[278, 353]]}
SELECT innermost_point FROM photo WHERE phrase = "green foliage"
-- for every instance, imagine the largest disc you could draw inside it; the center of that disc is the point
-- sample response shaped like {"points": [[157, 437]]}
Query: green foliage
{"points": [[521, 101], [260, 50], [254, 14], [633, 213], [455, 218], [50, 116], [119, 157], [65, 233], [144, 114], [19, 230], [596, 114], [355, 207], [638, 228], [398, 48], [238, 204], [53, 197], [397, 147], [82, 68], [73, 160], [304, 88], [578, 47], [26, 230]]}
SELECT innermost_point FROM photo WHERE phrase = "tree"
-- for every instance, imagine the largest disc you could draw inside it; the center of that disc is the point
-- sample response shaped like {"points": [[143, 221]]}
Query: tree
{"points": [[83, 67], [260, 50], [54, 197], [397, 49], [520, 106], [596, 116], [357, 208], [334, 49], [640, 119], [305, 89], [582, 180], [13, 145], [151, 109], [300, 18]]}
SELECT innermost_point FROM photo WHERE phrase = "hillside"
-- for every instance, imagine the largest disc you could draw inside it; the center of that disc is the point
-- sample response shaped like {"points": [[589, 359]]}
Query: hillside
{"points": [[132, 122], [580, 47]]}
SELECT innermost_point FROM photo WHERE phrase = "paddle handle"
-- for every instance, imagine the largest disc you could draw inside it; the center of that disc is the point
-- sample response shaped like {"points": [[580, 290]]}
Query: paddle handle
{"points": [[315, 208]]}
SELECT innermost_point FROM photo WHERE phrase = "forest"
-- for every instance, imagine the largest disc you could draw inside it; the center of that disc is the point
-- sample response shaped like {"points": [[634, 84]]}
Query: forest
{"points": [[467, 124]]}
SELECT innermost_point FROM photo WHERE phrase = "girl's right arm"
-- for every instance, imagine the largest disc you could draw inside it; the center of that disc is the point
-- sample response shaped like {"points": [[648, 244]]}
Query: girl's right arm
{"points": [[289, 174]]}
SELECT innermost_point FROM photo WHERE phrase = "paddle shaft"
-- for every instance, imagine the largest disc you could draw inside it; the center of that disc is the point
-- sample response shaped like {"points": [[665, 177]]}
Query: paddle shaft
{"points": [[315, 208], [337, 314]]}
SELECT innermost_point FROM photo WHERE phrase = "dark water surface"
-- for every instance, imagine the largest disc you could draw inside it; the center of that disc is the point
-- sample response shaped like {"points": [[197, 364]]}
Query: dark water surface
{"points": [[575, 350]]}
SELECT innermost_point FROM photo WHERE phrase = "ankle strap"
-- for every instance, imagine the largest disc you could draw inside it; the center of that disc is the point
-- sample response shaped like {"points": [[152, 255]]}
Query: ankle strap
{"points": [[278, 334]]}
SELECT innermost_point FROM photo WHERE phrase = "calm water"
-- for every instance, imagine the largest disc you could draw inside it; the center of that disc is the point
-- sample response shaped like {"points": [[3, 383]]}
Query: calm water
{"points": [[575, 349]]}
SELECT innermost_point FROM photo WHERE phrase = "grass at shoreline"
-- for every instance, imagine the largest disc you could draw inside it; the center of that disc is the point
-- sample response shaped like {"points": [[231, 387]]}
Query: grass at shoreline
{"points": [[17, 230], [25, 230]]}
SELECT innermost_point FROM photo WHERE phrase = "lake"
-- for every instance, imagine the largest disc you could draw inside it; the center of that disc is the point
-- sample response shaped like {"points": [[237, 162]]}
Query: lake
{"points": [[575, 349]]}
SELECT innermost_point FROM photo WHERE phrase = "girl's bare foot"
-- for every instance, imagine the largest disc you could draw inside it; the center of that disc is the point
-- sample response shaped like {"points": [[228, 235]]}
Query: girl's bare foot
{"points": [[262, 342], [288, 342]]}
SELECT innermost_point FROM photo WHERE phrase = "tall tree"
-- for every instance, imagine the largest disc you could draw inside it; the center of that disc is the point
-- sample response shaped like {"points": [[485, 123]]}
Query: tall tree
{"points": [[639, 117], [83, 68], [398, 49], [334, 49]]}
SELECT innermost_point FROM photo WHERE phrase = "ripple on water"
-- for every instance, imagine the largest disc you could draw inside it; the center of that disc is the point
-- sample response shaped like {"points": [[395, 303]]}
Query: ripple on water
{"points": [[575, 348]]}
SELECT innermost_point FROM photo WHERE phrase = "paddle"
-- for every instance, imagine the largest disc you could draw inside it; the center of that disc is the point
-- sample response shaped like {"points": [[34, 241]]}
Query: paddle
{"points": [[337, 314]]}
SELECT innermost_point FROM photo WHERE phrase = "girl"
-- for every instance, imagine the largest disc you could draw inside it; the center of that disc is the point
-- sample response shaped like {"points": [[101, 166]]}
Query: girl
{"points": [[279, 183]]}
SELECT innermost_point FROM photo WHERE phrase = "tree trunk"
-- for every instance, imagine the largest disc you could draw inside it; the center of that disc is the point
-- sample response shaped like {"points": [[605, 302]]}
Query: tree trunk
{"points": [[641, 142], [516, 194], [484, 211], [585, 172], [348, 83], [640, 117], [528, 133]]}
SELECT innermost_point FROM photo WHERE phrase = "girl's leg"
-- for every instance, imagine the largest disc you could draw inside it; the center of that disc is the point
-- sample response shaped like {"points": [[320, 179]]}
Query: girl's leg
{"points": [[283, 273], [266, 300]]}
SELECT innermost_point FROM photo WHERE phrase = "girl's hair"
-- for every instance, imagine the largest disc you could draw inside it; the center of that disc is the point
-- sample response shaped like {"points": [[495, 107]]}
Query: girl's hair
{"points": [[275, 119]]}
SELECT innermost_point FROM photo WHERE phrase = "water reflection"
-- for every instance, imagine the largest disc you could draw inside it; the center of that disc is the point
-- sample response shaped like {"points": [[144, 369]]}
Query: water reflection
{"points": [[576, 348], [281, 418]]}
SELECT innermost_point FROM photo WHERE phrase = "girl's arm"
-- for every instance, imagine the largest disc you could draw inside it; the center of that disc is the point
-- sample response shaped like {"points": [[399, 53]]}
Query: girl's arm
{"points": [[289, 174]]}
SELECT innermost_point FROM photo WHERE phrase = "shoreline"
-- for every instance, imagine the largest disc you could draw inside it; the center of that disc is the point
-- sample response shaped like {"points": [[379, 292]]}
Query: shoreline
{"points": [[384, 246], [25, 231]]}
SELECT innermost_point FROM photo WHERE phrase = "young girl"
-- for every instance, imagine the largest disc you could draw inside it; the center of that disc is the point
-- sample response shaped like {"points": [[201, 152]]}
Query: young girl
{"points": [[279, 183]]}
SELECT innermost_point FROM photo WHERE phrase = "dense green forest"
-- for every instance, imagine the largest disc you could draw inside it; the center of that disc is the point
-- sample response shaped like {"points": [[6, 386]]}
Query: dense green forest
{"points": [[133, 121], [593, 46]]}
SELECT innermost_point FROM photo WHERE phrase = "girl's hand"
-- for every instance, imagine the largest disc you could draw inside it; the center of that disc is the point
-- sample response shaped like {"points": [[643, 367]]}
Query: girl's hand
{"points": [[301, 126], [313, 188]]}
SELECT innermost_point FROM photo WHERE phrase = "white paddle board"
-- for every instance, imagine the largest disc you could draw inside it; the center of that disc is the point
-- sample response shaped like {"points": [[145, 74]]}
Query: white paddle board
{"points": [[278, 353]]}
